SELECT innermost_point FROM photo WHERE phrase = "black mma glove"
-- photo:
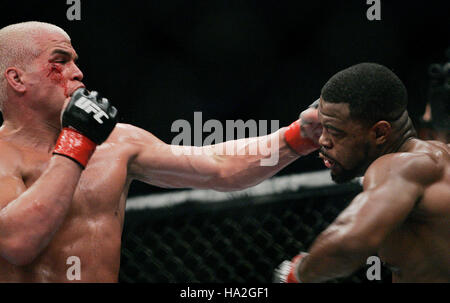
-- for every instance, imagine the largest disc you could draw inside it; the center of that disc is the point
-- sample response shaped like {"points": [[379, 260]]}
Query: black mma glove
{"points": [[87, 121]]}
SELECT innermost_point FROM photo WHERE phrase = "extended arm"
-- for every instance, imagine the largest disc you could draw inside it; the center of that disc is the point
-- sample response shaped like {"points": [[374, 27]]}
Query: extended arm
{"points": [[227, 166]]}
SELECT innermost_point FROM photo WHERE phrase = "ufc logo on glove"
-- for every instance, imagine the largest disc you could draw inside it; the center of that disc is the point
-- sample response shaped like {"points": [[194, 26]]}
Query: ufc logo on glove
{"points": [[90, 107]]}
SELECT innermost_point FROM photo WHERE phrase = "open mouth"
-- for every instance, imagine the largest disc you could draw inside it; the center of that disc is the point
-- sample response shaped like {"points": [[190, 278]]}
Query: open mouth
{"points": [[329, 163]]}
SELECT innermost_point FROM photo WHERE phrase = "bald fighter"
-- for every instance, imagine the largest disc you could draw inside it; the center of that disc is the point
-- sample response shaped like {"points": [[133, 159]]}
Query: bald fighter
{"points": [[66, 166], [403, 213]]}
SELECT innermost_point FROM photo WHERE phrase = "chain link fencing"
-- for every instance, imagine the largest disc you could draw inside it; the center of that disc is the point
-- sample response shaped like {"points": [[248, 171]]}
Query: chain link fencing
{"points": [[205, 236]]}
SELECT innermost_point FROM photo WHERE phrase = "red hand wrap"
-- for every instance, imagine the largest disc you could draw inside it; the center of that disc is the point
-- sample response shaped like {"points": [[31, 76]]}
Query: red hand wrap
{"points": [[295, 140], [291, 278], [74, 145]]}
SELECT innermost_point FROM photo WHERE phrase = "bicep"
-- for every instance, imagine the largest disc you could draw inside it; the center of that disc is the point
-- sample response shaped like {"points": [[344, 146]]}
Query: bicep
{"points": [[374, 213], [164, 165]]}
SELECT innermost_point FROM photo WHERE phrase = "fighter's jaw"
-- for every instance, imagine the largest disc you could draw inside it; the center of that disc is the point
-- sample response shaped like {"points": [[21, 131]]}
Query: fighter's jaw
{"points": [[338, 173], [341, 175]]}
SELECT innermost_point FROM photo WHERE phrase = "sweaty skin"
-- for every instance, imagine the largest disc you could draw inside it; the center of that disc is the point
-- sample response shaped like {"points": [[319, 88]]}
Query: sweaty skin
{"points": [[51, 210], [403, 213]]}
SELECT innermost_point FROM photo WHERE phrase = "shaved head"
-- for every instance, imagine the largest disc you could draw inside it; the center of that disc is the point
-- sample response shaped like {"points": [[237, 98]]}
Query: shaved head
{"points": [[18, 47]]}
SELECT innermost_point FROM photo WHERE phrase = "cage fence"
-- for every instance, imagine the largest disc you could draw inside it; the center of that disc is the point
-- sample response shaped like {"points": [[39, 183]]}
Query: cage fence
{"points": [[238, 237]]}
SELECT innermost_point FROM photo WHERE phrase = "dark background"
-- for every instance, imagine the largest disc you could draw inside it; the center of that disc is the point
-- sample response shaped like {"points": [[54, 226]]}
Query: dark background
{"points": [[159, 61]]}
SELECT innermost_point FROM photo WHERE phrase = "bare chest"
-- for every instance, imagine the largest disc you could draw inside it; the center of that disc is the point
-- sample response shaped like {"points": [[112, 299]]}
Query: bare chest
{"points": [[92, 228], [102, 188]]}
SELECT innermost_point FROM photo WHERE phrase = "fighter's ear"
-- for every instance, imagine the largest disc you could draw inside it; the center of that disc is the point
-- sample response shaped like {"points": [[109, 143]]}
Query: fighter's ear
{"points": [[14, 77], [381, 131]]}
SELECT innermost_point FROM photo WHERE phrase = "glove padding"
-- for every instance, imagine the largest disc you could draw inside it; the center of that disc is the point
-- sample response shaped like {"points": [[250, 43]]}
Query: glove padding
{"points": [[287, 271], [91, 115], [87, 121], [310, 126], [303, 135]]}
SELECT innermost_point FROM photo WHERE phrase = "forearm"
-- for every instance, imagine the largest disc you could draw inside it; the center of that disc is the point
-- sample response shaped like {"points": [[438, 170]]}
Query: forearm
{"points": [[28, 223], [331, 257], [246, 162], [227, 166]]}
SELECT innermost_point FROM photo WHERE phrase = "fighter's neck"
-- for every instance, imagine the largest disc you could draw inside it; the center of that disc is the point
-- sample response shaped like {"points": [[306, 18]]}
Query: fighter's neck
{"points": [[32, 133], [402, 131]]}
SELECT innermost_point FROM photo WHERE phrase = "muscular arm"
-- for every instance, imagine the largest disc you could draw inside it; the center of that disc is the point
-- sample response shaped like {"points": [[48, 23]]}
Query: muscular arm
{"points": [[211, 167], [30, 217], [392, 186], [232, 165]]}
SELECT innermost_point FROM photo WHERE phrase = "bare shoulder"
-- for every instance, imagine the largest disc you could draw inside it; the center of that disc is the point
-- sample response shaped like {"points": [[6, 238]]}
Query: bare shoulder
{"points": [[10, 157], [132, 140], [127, 133], [423, 164]]}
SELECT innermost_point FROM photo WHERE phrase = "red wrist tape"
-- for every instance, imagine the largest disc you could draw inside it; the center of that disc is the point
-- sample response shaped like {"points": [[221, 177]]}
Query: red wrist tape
{"points": [[74, 145], [295, 140], [291, 278]]}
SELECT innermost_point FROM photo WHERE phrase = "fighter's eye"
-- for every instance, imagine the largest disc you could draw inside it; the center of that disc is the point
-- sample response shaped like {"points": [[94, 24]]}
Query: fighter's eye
{"points": [[334, 132], [337, 135], [60, 60]]}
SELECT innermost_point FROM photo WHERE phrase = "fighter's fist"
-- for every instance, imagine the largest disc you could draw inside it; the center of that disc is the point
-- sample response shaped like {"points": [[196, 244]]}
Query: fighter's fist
{"points": [[303, 135], [90, 115], [309, 123], [287, 271], [87, 121]]}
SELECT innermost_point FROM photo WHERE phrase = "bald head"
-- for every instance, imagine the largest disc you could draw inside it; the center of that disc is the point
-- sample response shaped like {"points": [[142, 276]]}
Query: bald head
{"points": [[19, 46]]}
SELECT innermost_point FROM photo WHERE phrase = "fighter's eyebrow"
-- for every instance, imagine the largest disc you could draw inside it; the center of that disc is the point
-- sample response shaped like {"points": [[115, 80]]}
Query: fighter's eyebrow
{"points": [[65, 53], [327, 125], [333, 128]]}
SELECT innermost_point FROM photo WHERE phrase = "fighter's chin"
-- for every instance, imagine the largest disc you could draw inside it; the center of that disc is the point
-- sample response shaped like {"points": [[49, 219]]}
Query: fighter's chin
{"points": [[340, 175]]}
